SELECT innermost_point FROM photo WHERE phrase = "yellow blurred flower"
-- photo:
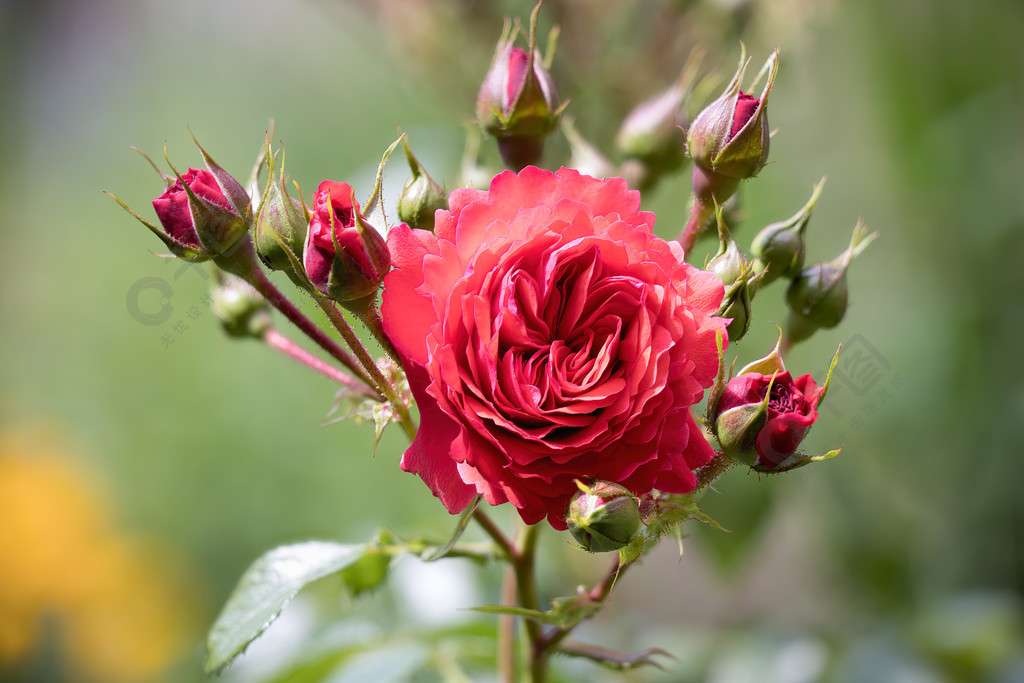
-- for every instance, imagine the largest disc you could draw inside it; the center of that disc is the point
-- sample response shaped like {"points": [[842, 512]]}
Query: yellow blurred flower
{"points": [[118, 606]]}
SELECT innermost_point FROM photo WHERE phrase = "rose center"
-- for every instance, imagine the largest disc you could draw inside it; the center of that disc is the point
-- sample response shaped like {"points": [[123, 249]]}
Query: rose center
{"points": [[781, 399]]}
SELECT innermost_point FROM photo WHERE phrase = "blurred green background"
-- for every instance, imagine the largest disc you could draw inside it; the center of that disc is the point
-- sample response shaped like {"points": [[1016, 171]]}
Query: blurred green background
{"points": [[146, 464]]}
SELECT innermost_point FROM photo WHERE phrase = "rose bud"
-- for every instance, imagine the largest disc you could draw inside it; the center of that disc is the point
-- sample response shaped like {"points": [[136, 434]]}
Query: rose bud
{"points": [[241, 310], [763, 414], [604, 517], [344, 258], [203, 214], [517, 102], [819, 296], [736, 274], [281, 225], [421, 196], [653, 132], [779, 248], [729, 139]]}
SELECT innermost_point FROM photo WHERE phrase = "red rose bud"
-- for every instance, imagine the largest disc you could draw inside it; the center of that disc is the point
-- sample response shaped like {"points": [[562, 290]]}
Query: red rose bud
{"points": [[604, 517], [203, 214], [421, 196], [730, 137], [241, 310], [517, 102], [779, 248], [761, 418], [281, 225], [344, 257], [818, 297]]}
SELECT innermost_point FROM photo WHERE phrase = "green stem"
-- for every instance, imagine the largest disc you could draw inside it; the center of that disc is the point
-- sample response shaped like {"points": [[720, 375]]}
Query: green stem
{"points": [[378, 380], [713, 470], [373, 322]]}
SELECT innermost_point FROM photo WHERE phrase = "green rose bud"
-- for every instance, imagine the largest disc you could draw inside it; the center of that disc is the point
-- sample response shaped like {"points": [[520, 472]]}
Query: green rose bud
{"points": [[604, 517]]}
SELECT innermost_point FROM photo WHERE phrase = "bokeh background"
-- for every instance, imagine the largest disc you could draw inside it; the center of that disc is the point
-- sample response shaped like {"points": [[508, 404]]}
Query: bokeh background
{"points": [[145, 462]]}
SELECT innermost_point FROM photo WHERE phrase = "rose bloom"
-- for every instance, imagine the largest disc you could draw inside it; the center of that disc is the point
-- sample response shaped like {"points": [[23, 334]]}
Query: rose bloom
{"points": [[792, 409], [549, 336]]}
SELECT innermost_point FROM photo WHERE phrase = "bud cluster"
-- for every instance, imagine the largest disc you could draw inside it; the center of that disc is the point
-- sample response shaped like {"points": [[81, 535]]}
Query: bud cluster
{"points": [[335, 248]]}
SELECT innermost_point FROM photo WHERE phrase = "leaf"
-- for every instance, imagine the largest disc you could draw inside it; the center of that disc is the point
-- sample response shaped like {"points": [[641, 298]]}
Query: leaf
{"points": [[460, 527], [265, 588]]}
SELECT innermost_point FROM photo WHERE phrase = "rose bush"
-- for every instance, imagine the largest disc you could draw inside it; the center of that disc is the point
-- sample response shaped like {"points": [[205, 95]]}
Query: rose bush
{"points": [[549, 336], [766, 433]]}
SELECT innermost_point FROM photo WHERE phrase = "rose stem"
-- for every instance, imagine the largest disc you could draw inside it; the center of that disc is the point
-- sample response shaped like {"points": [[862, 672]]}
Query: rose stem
{"points": [[506, 628], [373, 322], [252, 274], [699, 214], [379, 381], [713, 470], [279, 342]]}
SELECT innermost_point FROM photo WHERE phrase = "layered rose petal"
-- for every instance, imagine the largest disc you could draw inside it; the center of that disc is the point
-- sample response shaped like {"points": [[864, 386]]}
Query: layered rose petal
{"points": [[561, 339]]}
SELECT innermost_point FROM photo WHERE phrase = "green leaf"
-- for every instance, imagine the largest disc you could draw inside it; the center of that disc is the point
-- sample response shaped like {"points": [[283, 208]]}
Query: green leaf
{"points": [[371, 570], [265, 588]]}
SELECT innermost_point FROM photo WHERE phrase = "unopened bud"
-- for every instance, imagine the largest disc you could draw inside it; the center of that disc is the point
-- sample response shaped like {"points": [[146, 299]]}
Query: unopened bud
{"points": [[281, 225], [241, 310], [730, 137], [779, 248], [819, 296], [344, 258], [603, 517], [421, 196], [517, 102]]}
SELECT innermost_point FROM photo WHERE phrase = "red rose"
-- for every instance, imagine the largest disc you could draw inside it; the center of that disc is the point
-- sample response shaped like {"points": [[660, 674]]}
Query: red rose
{"points": [[343, 257], [765, 434], [172, 207], [549, 336]]}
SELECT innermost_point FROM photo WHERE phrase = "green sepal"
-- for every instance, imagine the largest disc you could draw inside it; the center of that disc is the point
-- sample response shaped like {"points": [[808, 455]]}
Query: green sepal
{"points": [[460, 528], [231, 188], [565, 612], [769, 365], [179, 249], [794, 461]]}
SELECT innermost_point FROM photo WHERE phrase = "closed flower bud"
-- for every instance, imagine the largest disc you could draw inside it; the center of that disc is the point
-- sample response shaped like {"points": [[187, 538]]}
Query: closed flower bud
{"points": [[653, 132], [819, 296], [203, 214], [517, 102], [241, 310], [736, 274], [779, 248], [603, 517], [421, 196], [344, 257], [281, 225], [763, 415], [730, 137]]}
